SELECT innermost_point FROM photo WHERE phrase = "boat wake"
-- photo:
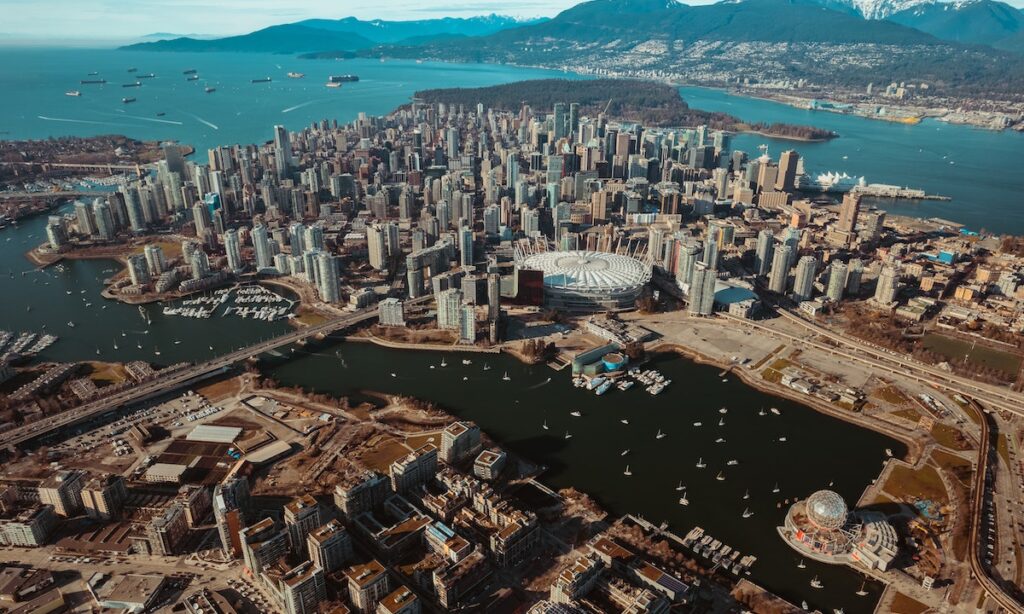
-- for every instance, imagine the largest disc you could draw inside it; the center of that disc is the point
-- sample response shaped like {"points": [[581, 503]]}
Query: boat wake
{"points": [[547, 381], [159, 121], [73, 121], [203, 121], [304, 104]]}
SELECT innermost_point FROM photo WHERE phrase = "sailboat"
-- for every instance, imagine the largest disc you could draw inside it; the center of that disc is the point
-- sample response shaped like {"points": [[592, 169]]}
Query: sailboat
{"points": [[177, 342], [567, 435], [747, 513], [700, 463], [115, 344], [721, 422], [746, 495], [487, 367], [97, 351], [862, 592], [443, 363], [123, 334], [720, 477], [683, 500], [816, 583], [506, 377], [545, 425], [801, 564], [624, 452], [776, 489], [680, 487], [762, 412], [627, 471], [138, 345], [720, 440], [156, 350], [724, 410], [660, 435]]}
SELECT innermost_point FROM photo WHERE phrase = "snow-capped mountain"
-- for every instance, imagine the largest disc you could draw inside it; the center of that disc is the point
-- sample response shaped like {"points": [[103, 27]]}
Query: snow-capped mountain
{"points": [[876, 9]]}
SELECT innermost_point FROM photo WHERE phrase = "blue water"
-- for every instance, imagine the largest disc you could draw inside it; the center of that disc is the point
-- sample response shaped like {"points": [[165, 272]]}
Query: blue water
{"points": [[980, 169], [33, 82]]}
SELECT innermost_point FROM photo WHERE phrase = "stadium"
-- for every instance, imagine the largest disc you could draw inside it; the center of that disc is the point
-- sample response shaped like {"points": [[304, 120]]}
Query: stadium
{"points": [[587, 281]]}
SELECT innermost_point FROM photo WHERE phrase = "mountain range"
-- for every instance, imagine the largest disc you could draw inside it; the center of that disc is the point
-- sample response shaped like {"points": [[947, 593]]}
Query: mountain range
{"points": [[963, 47], [348, 34]]}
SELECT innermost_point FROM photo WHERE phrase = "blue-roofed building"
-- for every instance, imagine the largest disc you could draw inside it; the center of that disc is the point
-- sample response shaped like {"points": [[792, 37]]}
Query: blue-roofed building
{"points": [[446, 543]]}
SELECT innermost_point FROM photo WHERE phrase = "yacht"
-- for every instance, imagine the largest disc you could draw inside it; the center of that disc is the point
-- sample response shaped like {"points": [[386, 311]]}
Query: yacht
{"points": [[71, 324], [776, 411], [698, 424], [624, 452], [393, 375], [683, 500], [720, 477], [747, 513], [575, 414], [700, 463], [782, 439], [624, 421], [467, 361], [506, 377], [732, 463], [816, 583], [627, 471], [660, 435], [720, 440], [724, 410], [888, 452]]}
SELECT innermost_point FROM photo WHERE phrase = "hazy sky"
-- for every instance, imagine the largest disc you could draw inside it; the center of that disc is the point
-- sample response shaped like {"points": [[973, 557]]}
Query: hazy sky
{"points": [[78, 21]]}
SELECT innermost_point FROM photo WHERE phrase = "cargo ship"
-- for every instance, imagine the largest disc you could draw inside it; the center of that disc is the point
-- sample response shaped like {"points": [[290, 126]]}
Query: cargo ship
{"points": [[210, 90], [190, 71], [192, 78], [132, 69], [127, 100], [73, 93], [136, 84], [263, 80], [149, 76], [93, 81], [342, 78]]}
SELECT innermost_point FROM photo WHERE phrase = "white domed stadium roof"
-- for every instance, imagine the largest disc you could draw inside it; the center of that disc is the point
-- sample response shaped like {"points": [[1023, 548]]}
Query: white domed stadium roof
{"points": [[589, 272], [827, 509]]}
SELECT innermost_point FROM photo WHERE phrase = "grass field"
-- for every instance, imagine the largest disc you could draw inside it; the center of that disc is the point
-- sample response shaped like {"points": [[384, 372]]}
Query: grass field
{"points": [[906, 483], [949, 437]]}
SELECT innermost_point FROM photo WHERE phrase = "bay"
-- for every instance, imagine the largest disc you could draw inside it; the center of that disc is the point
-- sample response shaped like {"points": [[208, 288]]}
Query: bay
{"points": [[979, 169]]}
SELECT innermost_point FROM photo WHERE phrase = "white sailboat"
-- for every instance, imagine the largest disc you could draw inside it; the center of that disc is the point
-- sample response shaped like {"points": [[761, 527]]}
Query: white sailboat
{"points": [[720, 477], [723, 411], [747, 513], [776, 489], [660, 435], [862, 592], [156, 351], [567, 435], [115, 344], [700, 463], [683, 500], [721, 422], [746, 495], [443, 363], [487, 367], [624, 452], [545, 425], [680, 487], [627, 472], [762, 412], [506, 377], [801, 564], [816, 583], [720, 440]]}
